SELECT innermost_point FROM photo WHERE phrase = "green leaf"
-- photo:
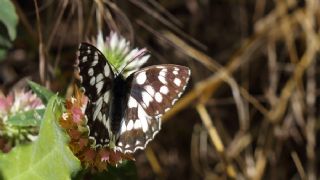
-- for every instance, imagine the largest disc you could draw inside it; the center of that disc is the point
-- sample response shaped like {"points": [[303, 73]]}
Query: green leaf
{"points": [[48, 157], [8, 26], [28, 118], [4, 42], [9, 17], [43, 93]]}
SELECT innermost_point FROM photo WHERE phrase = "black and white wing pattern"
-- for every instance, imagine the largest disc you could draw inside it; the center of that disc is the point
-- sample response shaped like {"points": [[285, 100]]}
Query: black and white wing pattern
{"points": [[154, 91], [96, 77]]}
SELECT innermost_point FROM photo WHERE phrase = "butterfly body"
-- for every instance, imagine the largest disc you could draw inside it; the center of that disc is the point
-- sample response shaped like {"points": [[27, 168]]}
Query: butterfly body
{"points": [[125, 113], [118, 102]]}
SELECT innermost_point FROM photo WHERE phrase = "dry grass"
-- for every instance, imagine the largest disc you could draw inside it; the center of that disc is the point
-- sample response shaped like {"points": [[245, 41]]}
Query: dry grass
{"points": [[252, 108]]}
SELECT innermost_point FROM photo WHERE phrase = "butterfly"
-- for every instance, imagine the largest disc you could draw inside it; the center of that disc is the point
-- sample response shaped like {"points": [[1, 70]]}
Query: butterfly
{"points": [[125, 112]]}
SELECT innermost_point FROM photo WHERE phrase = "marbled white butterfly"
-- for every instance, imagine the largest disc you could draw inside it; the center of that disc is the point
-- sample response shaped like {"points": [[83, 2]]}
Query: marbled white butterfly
{"points": [[124, 113]]}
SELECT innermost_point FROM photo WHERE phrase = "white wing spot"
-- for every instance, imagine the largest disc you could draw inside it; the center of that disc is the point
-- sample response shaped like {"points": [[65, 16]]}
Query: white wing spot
{"points": [[163, 72], [177, 81], [144, 124], [146, 98], [141, 78], [130, 125], [127, 146], [164, 90], [100, 116], [95, 62], [98, 108], [175, 72], [85, 59], [123, 127], [162, 79], [120, 144], [158, 97], [106, 70], [99, 86], [137, 124], [132, 103], [104, 119], [143, 118], [90, 72], [138, 142], [106, 97], [150, 90], [92, 81], [99, 78]]}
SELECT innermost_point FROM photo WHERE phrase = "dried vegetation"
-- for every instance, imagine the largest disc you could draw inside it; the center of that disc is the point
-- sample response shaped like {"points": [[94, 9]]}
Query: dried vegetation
{"points": [[251, 110]]}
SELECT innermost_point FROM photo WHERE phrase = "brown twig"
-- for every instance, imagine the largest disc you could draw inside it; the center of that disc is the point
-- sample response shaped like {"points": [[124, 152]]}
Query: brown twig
{"points": [[42, 59]]}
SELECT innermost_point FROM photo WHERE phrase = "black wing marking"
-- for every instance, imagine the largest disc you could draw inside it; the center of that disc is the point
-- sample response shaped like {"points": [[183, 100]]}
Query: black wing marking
{"points": [[154, 91], [96, 77]]}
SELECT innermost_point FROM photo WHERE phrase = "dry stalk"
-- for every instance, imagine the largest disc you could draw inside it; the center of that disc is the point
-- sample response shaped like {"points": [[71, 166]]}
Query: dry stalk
{"points": [[42, 59], [57, 24], [298, 165], [213, 133], [212, 65], [277, 112], [214, 136], [155, 165], [260, 165]]}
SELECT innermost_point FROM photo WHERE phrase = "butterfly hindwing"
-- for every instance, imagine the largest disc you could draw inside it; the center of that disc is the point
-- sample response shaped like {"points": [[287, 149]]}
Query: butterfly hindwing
{"points": [[158, 87], [96, 78], [154, 91]]}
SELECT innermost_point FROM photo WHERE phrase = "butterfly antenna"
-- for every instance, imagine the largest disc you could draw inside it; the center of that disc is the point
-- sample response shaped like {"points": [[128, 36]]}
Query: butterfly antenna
{"points": [[140, 53]]}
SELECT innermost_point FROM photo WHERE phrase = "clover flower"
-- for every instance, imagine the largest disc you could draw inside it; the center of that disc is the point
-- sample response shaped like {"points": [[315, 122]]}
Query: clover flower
{"points": [[17, 103], [120, 55]]}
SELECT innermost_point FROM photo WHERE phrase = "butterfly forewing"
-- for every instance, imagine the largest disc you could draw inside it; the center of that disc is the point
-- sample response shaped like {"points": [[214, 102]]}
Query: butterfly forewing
{"points": [[154, 91], [96, 78]]}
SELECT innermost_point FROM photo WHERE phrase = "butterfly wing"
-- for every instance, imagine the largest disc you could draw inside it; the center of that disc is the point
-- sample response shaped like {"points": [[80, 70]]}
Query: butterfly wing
{"points": [[96, 77], [154, 91]]}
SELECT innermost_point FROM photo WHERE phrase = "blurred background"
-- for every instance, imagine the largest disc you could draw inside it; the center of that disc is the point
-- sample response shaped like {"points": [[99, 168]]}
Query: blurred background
{"points": [[251, 109]]}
